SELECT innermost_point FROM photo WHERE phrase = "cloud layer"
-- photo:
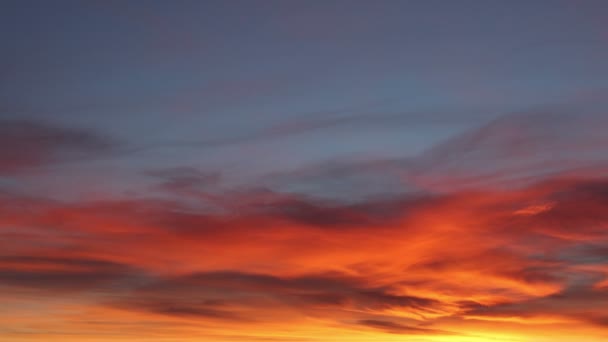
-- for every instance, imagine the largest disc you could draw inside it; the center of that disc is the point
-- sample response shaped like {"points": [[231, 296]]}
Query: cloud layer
{"points": [[443, 262]]}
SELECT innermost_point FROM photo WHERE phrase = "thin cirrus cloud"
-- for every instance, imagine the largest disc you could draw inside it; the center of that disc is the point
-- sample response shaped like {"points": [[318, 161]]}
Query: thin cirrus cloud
{"points": [[516, 147], [509, 151]]}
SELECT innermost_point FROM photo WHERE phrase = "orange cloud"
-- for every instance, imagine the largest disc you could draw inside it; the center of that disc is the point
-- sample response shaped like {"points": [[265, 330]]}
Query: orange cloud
{"points": [[403, 267], [465, 264]]}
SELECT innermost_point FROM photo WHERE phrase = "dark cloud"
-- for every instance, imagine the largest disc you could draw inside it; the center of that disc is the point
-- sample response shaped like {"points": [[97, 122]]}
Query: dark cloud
{"points": [[344, 180], [29, 144], [320, 213], [223, 295], [580, 302], [576, 209], [62, 274], [185, 179], [206, 309], [396, 328]]}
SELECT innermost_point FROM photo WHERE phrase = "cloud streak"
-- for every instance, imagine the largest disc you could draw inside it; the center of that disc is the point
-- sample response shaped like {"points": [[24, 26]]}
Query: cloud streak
{"points": [[29, 144]]}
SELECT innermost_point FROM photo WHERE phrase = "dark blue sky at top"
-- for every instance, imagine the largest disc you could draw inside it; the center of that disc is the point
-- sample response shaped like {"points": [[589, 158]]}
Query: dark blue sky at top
{"points": [[263, 86]]}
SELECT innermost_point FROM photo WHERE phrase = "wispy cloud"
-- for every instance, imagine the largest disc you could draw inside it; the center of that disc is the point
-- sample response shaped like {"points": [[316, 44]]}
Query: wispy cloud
{"points": [[28, 144]]}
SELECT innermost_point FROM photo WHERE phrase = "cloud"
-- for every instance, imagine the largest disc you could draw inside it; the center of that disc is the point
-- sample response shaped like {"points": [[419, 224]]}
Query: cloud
{"points": [[411, 263], [184, 177], [63, 274], [513, 149], [28, 144], [232, 295], [390, 261], [581, 303], [396, 328], [343, 180], [356, 118]]}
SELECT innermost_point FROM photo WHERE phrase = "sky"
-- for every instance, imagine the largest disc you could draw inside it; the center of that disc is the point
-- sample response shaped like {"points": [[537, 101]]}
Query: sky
{"points": [[304, 171]]}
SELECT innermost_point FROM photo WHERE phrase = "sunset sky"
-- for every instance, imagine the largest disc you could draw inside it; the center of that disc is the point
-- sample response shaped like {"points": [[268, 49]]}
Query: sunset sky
{"points": [[304, 171]]}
